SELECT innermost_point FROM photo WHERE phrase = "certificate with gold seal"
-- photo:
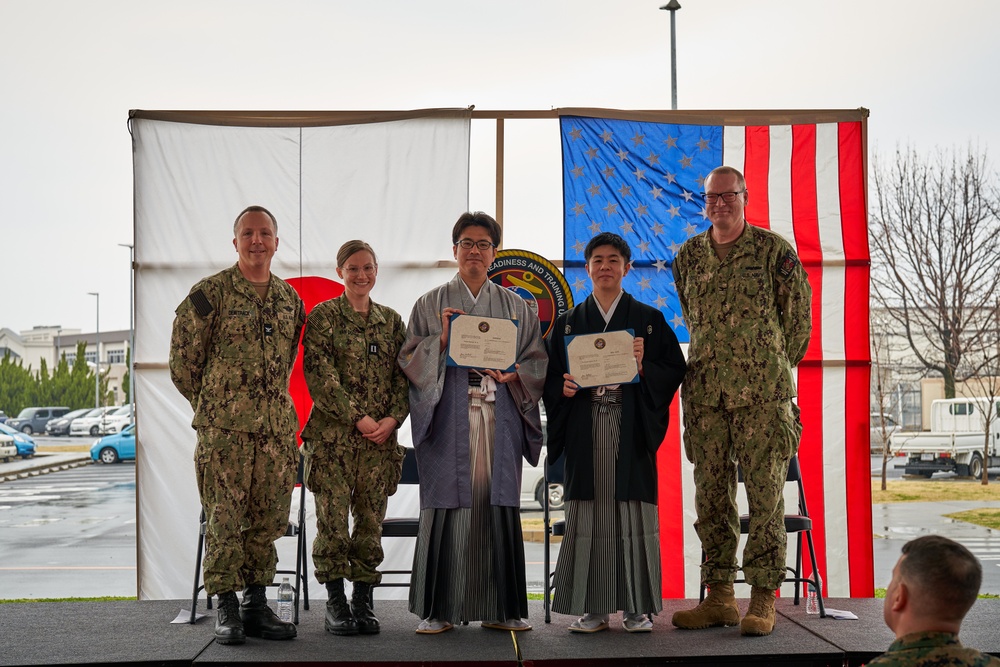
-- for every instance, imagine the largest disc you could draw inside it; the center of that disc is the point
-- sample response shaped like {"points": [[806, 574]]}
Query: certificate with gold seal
{"points": [[602, 358], [482, 342]]}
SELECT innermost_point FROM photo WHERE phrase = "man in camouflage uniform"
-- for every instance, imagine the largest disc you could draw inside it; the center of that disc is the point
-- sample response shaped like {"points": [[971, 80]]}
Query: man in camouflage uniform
{"points": [[934, 584], [233, 344], [353, 461], [746, 302]]}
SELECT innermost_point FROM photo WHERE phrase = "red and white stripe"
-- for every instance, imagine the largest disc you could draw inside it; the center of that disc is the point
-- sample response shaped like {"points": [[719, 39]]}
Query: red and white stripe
{"points": [[805, 182]]}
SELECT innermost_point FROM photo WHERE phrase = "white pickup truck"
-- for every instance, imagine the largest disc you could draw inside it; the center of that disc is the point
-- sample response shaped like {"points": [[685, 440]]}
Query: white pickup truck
{"points": [[956, 442]]}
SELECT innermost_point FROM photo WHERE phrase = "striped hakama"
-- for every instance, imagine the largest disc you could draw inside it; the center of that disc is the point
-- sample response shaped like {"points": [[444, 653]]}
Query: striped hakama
{"points": [[610, 557], [469, 562]]}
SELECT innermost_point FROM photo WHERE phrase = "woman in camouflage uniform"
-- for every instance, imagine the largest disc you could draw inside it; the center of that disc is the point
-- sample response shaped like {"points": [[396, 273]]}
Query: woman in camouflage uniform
{"points": [[352, 459]]}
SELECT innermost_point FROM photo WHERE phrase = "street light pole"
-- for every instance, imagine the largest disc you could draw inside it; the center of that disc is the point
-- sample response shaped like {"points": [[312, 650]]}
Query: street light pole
{"points": [[97, 366], [131, 323], [56, 363], [672, 7]]}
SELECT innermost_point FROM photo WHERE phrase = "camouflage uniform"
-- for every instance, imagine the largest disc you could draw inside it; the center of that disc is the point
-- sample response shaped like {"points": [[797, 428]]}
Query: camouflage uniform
{"points": [[749, 319], [350, 367], [231, 355], [932, 649]]}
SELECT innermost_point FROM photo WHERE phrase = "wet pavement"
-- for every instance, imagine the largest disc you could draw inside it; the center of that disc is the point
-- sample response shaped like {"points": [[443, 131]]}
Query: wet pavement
{"points": [[895, 524]]}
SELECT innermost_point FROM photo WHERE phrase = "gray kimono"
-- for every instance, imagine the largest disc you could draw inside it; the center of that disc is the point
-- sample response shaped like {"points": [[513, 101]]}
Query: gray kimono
{"points": [[439, 403]]}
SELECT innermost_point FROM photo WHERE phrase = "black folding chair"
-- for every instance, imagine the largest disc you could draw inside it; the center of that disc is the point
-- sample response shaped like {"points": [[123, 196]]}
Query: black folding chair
{"points": [[402, 526], [800, 524], [296, 529]]}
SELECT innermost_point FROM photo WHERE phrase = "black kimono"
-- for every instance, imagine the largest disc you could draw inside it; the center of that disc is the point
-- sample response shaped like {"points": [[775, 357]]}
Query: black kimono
{"points": [[609, 559]]}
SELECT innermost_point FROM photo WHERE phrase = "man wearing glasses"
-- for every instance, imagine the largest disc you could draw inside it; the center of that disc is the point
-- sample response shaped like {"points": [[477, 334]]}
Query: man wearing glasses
{"points": [[470, 429], [746, 301]]}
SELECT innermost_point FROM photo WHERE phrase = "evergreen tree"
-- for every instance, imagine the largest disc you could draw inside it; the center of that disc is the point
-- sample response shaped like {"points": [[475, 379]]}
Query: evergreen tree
{"points": [[127, 378], [18, 388]]}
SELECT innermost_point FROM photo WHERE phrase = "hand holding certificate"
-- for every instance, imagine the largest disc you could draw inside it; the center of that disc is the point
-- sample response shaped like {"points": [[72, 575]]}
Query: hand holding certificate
{"points": [[602, 358], [482, 342]]}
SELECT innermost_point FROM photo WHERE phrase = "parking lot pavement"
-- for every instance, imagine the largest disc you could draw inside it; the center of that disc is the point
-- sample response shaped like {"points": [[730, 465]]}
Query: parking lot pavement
{"points": [[41, 463]]}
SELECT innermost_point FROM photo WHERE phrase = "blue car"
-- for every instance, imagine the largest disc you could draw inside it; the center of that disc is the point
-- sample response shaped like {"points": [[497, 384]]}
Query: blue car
{"points": [[25, 443], [116, 447]]}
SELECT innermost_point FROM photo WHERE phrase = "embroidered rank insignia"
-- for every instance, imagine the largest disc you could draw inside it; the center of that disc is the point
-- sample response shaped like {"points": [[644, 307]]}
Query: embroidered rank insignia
{"points": [[788, 264], [201, 304]]}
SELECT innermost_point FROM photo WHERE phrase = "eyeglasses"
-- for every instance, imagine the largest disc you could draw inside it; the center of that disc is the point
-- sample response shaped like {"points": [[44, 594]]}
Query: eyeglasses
{"points": [[728, 197], [483, 246], [367, 269]]}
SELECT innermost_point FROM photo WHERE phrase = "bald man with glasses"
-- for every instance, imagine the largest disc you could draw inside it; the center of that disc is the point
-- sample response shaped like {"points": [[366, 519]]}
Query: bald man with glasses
{"points": [[746, 302]]}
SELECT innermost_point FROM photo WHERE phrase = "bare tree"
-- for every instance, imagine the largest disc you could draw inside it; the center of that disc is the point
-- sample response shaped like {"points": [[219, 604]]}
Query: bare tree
{"points": [[883, 372], [935, 253], [984, 375]]}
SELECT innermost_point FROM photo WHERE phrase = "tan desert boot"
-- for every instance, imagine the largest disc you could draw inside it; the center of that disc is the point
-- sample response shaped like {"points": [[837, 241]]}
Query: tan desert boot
{"points": [[759, 620], [718, 608]]}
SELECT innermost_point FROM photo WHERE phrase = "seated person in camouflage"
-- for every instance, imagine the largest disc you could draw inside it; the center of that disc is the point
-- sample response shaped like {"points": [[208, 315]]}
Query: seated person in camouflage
{"points": [[233, 344], [934, 584], [352, 459]]}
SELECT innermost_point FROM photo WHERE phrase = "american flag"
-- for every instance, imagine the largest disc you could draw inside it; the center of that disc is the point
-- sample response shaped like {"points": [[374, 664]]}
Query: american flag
{"points": [[642, 178]]}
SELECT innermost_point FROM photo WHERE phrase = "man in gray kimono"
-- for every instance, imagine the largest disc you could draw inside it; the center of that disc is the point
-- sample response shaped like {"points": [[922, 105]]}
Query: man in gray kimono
{"points": [[471, 428]]}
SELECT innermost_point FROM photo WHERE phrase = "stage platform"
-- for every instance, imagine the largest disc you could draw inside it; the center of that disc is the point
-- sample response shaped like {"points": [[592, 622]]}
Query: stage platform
{"points": [[141, 633]]}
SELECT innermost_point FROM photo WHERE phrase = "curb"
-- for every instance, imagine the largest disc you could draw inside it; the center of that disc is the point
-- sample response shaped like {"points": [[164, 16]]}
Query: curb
{"points": [[538, 535], [35, 466]]}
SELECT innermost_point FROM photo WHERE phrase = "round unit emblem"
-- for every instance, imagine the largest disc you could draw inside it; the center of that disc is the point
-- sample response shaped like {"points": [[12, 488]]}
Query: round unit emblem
{"points": [[536, 280]]}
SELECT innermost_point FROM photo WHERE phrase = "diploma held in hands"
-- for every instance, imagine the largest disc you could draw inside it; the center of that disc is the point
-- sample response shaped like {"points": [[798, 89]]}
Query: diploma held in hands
{"points": [[602, 358], [482, 342]]}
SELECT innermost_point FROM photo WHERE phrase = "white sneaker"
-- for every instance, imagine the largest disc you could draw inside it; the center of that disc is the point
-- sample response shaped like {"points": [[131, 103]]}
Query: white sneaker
{"points": [[515, 624], [432, 626], [590, 623], [633, 622]]}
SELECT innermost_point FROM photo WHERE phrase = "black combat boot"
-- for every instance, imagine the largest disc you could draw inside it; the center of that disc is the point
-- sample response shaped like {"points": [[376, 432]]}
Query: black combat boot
{"points": [[228, 625], [361, 605], [258, 618], [339, 620]]}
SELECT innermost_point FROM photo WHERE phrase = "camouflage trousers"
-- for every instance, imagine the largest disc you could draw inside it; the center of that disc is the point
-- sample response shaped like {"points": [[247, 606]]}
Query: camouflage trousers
{"points": [[245, 481], [762, 439], [352, 480]]}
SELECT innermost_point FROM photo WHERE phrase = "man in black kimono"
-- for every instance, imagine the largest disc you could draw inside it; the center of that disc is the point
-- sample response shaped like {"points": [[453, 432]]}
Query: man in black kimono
{"points": [[610, 557]]}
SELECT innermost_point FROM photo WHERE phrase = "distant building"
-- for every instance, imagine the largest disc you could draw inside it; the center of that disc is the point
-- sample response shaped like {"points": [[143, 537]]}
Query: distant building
{"points": [[908, 386], [51, 342]]}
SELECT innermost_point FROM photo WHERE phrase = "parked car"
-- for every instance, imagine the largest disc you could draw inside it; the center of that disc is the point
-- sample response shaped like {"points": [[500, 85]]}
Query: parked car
{"points": [[533, 478], [3, 417], [878, 440], [25, 443], [116, 447], [117, 420], [33, 420], [91, 423], [8, 450], [60, 426], [533, 483]]}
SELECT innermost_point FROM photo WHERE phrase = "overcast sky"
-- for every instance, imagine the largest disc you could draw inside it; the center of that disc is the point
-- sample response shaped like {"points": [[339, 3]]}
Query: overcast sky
{"points": [[71, 70]]}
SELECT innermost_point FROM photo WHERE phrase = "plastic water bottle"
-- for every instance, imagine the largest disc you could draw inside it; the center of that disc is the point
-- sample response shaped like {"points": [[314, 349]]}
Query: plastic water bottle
{"points": [[285, 600], [812, 599]]}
